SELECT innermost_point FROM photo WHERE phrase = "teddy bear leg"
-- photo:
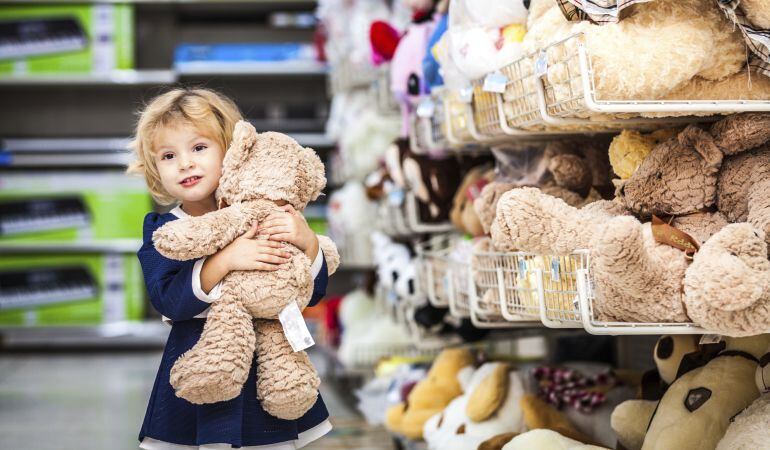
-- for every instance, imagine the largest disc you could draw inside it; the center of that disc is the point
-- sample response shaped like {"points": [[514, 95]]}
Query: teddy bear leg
{"points": [[637, 279], [529, 220], [287, 383], [727, 286], [215, 369]]}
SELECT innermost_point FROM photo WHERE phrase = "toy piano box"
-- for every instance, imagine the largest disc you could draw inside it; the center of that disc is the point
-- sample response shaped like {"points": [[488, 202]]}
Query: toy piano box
{"points": [[70, 289], [71, 206], [66, 39]]}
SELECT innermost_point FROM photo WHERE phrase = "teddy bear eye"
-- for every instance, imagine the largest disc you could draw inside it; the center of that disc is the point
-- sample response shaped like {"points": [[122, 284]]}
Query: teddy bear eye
{"points": [[697, 398], [659, 175]]}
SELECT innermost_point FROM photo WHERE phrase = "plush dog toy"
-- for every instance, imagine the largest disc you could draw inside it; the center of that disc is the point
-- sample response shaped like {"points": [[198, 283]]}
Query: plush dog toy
{"points": [[243, 321], [751, 428], [696, 409]]}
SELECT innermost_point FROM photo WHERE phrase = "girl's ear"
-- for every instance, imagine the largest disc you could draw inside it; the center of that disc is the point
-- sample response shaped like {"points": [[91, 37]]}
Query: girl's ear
{"points": [[244, 137]]}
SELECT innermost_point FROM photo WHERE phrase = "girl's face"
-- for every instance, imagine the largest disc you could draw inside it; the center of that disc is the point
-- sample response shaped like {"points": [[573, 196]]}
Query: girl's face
{"points": [[189, 164]]}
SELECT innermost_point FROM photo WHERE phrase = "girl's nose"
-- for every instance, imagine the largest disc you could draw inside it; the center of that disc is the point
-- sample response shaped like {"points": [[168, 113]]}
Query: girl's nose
{"points": [[186, 163]]}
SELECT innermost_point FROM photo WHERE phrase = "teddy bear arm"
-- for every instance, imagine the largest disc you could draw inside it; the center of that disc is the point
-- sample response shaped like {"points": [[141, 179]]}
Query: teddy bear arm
{"points": [[196, 237], [330, 252]]}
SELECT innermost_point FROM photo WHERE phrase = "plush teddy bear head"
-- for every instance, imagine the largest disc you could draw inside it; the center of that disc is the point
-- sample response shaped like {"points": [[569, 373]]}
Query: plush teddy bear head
{"points": [[269, 166], [681, 174]]}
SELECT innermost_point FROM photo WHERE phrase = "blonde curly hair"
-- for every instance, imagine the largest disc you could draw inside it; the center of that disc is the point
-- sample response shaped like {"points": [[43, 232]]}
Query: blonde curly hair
{"points": [[211, 113]]}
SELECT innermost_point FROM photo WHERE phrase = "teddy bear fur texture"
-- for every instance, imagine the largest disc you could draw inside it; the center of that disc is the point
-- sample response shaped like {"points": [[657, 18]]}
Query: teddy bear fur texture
{"points": [[243, 322], [703, 179]]}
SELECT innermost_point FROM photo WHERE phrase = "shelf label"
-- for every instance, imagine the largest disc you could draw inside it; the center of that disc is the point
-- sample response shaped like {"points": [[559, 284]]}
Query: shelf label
{"points": [[555, 269], [495, 82], [426, 108], [541, 64], [522, 268], [466, 94]]}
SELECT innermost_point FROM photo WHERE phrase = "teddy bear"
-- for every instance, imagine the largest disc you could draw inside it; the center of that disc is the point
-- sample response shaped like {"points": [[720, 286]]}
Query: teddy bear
{"points": [[751, 428], [638, 278], [682, 41], [463, 214], [696, 410], [243, 322], [430, 395]]}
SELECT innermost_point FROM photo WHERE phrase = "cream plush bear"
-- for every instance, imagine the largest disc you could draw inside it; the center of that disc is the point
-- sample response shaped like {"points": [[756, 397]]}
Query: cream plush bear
{"points": [[243, 322]]}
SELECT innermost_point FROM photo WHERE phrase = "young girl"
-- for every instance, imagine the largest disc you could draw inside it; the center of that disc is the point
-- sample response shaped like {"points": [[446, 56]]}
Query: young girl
{"points": [[180, 141]]}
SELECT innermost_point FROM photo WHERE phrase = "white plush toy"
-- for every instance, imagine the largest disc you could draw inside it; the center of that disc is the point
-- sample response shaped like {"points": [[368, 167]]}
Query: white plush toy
{"points": [[543, 439], [492, 395], [406, 284], [750, 430]]}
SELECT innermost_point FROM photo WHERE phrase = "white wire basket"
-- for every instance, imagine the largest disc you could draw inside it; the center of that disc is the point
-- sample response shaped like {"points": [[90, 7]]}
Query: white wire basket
{"points": [[485, 305], [530, 286], [416, 225], [458, 118], [427, 127], [432, 267], [391, 219], [571, 96], [458, 289], [593, 325], [386, 102]]}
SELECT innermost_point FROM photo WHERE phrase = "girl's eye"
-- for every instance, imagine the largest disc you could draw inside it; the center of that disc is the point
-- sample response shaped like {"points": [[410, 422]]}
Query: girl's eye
{"points": [[200, 147], [167, 156]]}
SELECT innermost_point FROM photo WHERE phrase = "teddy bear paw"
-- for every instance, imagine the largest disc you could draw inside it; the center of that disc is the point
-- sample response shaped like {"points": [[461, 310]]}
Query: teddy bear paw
{"points": [[199, 380]]}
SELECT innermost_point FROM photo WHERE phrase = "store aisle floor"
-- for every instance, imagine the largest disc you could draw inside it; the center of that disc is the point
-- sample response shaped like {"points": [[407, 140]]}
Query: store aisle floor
{"points": [[96, 402]]}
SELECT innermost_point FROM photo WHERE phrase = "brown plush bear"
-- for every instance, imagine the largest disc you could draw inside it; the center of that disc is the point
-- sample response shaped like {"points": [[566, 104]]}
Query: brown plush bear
{"points": [[701, 179], [243, 321]]}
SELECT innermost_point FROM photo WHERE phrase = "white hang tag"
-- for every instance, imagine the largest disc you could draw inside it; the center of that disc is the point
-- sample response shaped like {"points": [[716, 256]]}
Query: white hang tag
{"points": [[541, 64], [495, 82], [710, 339], [426, 108], [555, 269], [466, 94], [295, 328]]}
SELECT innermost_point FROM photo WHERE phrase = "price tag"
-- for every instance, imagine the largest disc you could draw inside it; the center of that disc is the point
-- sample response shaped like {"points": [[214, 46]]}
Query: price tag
{"points": [[495, 82], [396, 197], [466, 94], [555, 269], [541, 64], [295, 328], [522, 268], [426, 108], [707, 339]]}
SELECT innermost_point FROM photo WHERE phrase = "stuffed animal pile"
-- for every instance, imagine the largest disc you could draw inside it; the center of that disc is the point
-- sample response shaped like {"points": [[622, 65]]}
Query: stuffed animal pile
{"points": [[706, 188], [243, 323]]}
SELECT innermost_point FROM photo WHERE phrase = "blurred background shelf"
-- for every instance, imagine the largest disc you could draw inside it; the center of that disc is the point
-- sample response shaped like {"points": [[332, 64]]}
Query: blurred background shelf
{"points": [[117, 77], [106, 336], [47, 247]]}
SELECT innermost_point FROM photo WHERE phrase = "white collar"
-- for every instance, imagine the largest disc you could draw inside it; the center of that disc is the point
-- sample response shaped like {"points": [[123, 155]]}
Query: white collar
{"points": [[179, 212]]}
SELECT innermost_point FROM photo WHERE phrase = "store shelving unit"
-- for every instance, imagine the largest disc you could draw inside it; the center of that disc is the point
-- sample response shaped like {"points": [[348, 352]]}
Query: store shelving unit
{"points": [[81, 122]]}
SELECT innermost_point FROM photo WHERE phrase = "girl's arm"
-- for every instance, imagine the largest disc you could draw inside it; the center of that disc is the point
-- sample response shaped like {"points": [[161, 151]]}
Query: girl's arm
{"points": [[172, 286]]}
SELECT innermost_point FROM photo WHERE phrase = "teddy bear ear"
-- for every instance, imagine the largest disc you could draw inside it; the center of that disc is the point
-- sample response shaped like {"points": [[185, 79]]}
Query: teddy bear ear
{"points": [[244, 137], [741, 132], [703, 143]]}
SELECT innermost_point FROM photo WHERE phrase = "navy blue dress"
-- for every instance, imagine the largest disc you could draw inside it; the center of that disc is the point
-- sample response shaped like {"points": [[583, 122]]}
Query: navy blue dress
{"points": [[240, 422]]}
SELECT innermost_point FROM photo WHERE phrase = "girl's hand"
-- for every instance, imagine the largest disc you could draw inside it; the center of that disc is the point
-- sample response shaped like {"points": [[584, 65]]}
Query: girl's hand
{"points": [[290, 226], [246, 253]]}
